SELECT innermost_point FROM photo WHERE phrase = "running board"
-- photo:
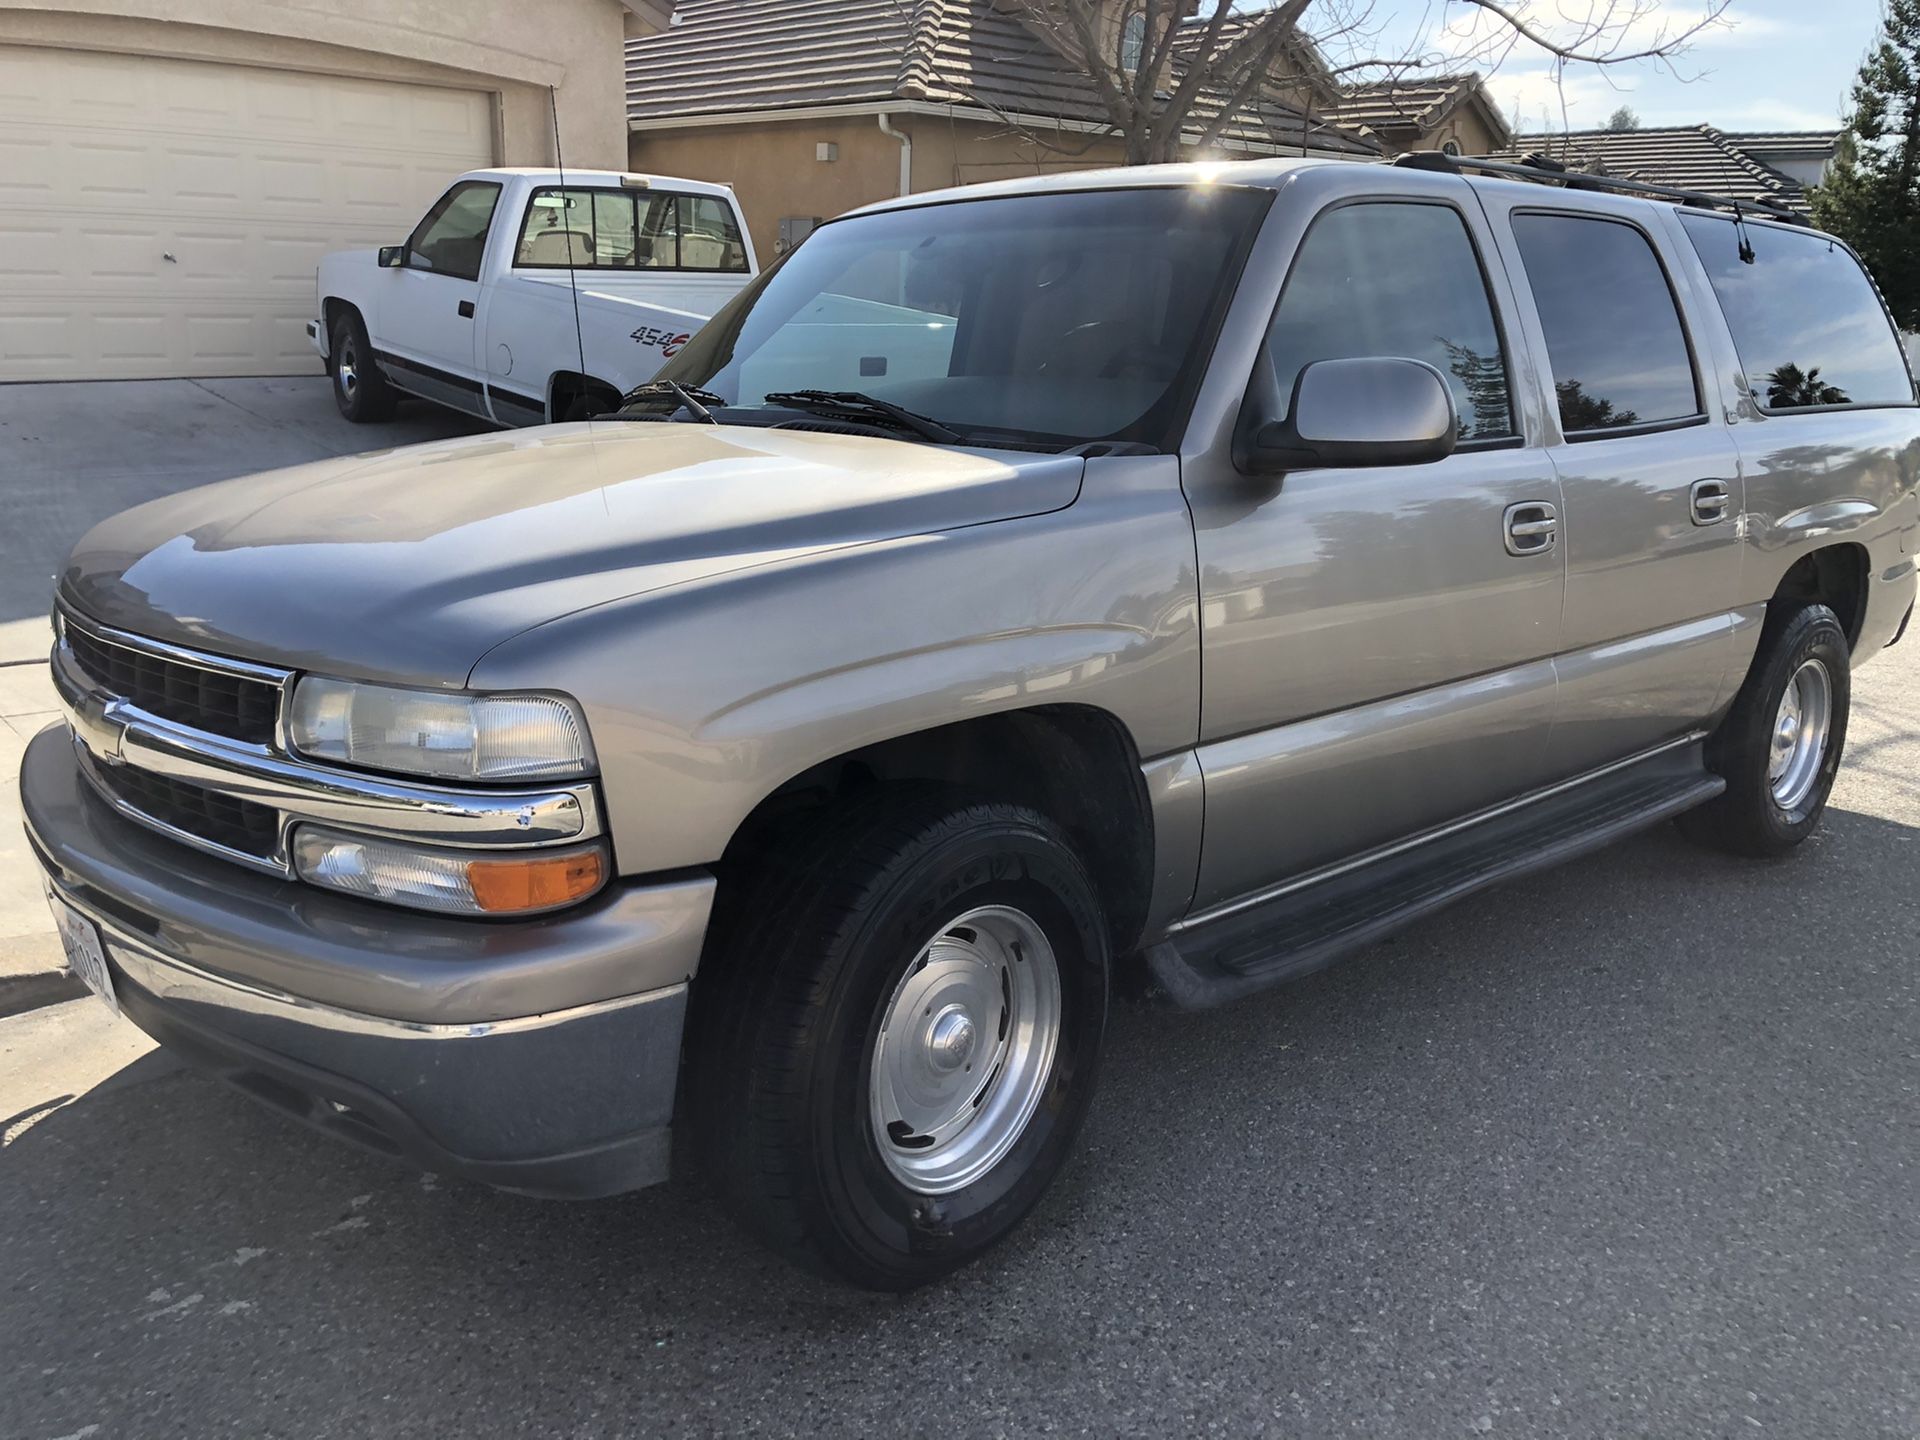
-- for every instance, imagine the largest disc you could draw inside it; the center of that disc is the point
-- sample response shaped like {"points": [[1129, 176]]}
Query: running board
{"points": [[1293, 934]]}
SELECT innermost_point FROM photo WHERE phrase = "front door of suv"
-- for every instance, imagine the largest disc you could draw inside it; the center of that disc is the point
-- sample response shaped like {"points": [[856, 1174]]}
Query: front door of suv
{"points": [[1651, 478], [1376, 643]]}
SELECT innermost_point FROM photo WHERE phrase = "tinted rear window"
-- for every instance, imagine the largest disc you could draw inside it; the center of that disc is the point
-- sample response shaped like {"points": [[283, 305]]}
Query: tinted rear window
{"points": [[1614, 340], [1809, 329]]}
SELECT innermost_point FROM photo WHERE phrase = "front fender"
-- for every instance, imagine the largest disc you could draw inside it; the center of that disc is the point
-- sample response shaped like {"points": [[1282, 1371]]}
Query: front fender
{"points": [[705, 699]]}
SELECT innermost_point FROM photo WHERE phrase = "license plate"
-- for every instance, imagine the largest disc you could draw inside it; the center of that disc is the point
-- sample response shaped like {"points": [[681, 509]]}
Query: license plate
{"points": [[80, 938]]}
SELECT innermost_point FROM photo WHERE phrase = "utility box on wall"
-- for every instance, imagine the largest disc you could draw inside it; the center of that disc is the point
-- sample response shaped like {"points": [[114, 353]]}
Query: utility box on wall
{"points": [[795, 228]]}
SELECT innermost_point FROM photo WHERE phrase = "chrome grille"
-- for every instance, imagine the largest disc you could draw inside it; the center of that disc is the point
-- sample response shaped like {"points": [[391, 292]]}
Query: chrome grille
{"points": [[221, 702]]}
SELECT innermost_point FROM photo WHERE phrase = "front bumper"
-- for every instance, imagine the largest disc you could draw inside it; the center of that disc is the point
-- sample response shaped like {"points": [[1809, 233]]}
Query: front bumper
{"points": [[317, 335], [540, 1056]]}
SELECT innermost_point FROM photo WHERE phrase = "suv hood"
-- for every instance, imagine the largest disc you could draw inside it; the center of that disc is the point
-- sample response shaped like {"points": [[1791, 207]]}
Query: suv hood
{"points": [[409, 565]]}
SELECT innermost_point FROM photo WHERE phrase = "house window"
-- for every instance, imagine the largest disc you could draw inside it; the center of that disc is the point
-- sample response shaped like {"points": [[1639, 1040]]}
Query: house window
{"points": [[1450, 147], [1133, 42]]}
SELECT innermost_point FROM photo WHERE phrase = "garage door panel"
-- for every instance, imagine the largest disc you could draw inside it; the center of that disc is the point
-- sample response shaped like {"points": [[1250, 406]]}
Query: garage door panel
{"points": [[245, 176]]}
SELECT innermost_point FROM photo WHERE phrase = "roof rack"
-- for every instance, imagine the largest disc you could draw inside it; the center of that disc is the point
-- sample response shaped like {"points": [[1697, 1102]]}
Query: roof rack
{"points": [[1542, 170]]}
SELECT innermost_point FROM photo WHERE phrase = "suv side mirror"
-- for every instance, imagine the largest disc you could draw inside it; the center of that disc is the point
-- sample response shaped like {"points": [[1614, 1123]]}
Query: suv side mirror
{"points": [[1371, 411], [392, 257]]}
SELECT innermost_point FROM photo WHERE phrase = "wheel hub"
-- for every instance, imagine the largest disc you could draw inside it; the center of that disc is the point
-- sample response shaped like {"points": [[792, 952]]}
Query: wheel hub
{"points": [[950, 1040], [1800, 730], [349, 371], [965, 1049]]}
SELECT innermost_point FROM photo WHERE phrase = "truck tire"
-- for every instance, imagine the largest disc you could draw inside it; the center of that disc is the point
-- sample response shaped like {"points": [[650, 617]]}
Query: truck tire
{"points": [[897, 1032], [359, 389], [1779, 747]]}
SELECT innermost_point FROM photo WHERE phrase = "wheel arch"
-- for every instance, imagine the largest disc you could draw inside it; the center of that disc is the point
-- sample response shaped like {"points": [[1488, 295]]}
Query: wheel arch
{"points": [[1833, 575], [1077, 764], [566, 386], [333, 307]]}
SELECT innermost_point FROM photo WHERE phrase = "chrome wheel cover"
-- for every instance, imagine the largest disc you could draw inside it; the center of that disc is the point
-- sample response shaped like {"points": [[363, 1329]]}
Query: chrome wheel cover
{"points": [[1800, 731], [346, 369], [965, 1049]]}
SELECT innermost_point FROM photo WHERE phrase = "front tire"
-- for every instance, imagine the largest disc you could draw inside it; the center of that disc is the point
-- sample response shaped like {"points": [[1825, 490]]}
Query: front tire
{"points": [[897, 1035], [359, 389], [1779, 747]]}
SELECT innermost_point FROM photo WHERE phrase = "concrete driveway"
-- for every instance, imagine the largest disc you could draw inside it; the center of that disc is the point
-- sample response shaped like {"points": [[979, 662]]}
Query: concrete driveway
{"points": [[71, 455]]}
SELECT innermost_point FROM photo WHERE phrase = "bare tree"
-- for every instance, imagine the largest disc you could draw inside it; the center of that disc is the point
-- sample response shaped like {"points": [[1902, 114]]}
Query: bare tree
{"points": [[1185, 73]]}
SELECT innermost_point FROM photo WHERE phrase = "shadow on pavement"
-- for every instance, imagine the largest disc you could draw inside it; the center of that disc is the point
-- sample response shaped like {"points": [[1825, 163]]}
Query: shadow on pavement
{"points": [[1620, 1147]]}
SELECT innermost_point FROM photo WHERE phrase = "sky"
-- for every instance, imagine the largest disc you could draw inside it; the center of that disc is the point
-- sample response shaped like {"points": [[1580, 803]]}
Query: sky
{"points": [[1774, 64]]}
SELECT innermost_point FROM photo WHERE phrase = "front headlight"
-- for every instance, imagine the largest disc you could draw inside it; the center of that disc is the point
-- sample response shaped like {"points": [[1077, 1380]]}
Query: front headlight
{"points": [[439, 734]]}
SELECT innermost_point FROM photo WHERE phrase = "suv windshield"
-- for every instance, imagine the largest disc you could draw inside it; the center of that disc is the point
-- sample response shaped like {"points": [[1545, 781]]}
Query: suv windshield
{"points": [[1058, 319]]}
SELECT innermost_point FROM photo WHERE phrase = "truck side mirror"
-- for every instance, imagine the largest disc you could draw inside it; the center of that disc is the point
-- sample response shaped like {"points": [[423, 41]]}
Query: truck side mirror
{"points": [[1368, 411], [392, 257]]}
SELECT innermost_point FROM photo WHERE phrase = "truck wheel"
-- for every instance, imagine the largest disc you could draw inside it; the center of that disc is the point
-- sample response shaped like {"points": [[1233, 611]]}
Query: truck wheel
{"points": [[359, 389], [1779, 747], [897, 1033]]}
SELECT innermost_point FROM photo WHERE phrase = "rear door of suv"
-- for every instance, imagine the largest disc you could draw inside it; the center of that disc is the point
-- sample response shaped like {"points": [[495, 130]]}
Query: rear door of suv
{"points": [[1649, 473]]}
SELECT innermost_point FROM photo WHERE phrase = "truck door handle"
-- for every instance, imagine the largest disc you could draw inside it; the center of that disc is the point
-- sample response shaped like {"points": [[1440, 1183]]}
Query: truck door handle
{"points": [[1531, 528], [1709, 499], [466, 309]]}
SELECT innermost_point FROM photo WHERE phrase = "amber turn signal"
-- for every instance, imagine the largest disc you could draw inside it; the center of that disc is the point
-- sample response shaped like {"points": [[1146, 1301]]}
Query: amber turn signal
{"points": [[503, 887]]}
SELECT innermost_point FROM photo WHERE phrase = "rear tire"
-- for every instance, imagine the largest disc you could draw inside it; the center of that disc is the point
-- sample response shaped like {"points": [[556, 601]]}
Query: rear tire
{"points": [[896, 1035], [359, 389], [1780, 745]]}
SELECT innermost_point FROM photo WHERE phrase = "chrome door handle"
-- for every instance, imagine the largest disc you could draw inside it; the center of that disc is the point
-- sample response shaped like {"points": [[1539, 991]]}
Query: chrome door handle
{"points": [[1709, 500], [1531, 528]]}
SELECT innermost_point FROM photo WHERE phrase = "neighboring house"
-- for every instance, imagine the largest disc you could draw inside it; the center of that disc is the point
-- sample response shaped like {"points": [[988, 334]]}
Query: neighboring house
{"points": [[1773, 166], [175, 168], [1450, 113], [809, 110]]}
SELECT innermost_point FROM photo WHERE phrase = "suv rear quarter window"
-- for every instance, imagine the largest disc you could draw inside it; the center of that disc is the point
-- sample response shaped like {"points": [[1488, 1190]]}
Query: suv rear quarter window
{"points": [[1618, 351], [1810, 331]]}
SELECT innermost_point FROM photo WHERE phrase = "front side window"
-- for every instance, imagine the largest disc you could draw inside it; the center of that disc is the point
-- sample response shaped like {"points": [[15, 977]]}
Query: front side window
{"points": [[629, 230], [1394, 279], [1614, 339], [452, 237], [1056, 319], [1808, 327]]}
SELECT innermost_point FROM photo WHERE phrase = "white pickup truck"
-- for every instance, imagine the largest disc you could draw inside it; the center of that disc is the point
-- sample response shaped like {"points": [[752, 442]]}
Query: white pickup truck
{"points": [[477, 310]]}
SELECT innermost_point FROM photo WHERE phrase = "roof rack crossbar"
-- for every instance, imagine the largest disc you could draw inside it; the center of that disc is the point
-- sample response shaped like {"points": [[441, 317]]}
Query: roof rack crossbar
{"points": [[1541, 170]]}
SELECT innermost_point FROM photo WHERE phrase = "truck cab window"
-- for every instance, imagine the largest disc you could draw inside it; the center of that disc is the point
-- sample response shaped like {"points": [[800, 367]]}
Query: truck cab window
{"points": [[453, 236], [1394, 279]]}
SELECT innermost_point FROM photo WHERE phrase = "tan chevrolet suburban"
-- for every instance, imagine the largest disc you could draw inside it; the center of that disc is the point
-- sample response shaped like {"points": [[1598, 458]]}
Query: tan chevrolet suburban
{"points": [[1173, 576]]}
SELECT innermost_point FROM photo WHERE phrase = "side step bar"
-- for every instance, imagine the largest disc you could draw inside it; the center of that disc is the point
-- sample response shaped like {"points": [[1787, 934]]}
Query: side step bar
{"points": [[1308, 928]]}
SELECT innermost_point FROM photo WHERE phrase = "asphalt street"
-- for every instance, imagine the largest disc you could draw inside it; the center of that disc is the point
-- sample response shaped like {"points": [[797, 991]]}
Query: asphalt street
{"points": [[1627, 1149]]}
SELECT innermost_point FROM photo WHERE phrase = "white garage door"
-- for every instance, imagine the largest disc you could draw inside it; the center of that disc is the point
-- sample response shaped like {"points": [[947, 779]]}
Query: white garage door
{"points": [[163, 217]]}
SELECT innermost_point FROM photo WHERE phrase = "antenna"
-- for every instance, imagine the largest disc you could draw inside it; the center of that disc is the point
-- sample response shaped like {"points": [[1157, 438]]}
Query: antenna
{"points": [[573, 282]]}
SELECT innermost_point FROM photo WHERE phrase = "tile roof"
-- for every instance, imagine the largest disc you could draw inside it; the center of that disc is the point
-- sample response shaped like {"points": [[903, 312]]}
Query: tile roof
{"points": [[1692, 157], [1801, 144], [735, 56], [1414, 102]]}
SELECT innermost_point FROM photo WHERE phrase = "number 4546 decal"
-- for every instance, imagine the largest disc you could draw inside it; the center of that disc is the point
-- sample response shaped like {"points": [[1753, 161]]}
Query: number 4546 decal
{"points": [[667, 342]]}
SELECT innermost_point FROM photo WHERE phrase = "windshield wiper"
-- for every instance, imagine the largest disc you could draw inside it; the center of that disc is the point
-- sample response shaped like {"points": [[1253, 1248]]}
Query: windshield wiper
{"points": [[685, 397], [855, 405]]}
